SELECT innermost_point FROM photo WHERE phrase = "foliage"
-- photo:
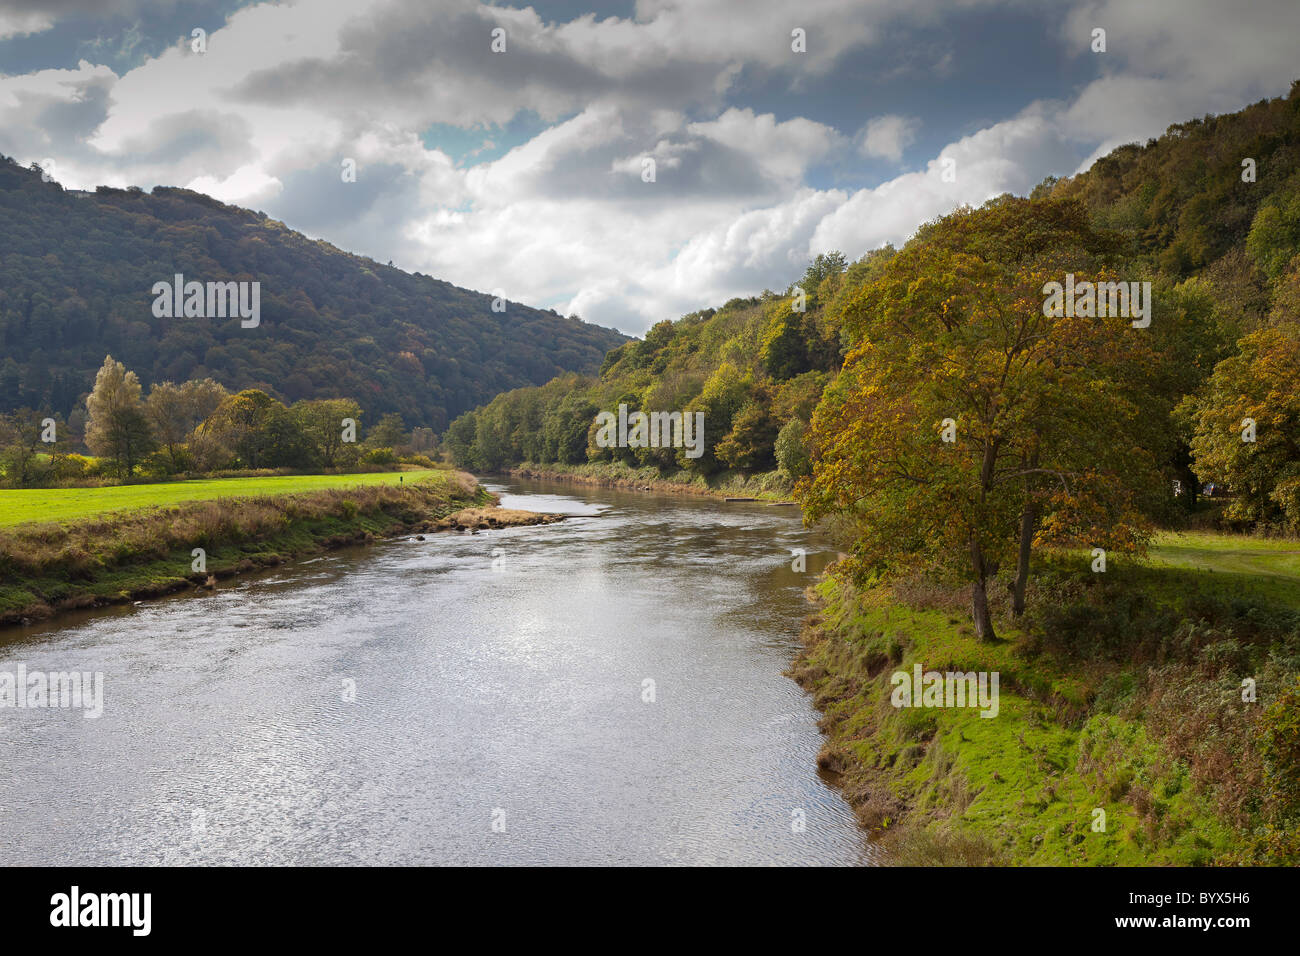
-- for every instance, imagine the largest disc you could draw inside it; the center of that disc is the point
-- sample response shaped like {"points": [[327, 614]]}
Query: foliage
{"points": [[77, 273], [791, 450], [1043, 441], [117, 426], [749, 366], [1261, 383]]}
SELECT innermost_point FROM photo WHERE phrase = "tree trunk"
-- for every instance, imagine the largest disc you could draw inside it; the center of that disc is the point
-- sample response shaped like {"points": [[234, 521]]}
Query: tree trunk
{"points": [[1028, 520], [980, 611], [979, 594]]}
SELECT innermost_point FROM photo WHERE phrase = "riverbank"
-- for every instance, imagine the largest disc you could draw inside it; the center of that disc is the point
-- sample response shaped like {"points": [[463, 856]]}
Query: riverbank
{"points": [[128, 555], [769, 486], [26, 505], [1120, 735]]}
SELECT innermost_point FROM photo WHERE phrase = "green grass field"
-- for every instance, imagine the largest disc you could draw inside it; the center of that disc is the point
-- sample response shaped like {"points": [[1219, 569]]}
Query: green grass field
{"points": [[1228, 553], [1228, 564], [22, 505]]}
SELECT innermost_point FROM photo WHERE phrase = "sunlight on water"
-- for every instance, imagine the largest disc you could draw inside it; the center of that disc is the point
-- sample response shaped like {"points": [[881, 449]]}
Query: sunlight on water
{"points": [[494, 674]]}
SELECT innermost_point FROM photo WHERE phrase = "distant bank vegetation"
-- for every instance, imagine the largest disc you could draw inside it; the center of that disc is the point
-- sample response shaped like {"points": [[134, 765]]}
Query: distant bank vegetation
{"points": [[198, 428]]}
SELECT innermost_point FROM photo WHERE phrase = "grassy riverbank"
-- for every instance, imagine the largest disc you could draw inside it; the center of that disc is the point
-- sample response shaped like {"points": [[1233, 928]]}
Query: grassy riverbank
{"points": [[1122, 694], [21, 505], [768, 486], [146, 551]]}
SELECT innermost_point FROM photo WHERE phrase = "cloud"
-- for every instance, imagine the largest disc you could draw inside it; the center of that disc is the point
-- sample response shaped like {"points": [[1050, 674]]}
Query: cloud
{"points": [[1168, 61], [885, 137], [21, 23], [741, 198], [28, 17], [781, 151], [1011, 156]]}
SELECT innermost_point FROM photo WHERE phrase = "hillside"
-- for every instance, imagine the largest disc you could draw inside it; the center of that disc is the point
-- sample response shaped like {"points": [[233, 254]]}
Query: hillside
{"points": [[76, 285], [1176, 210], [753, 366]]}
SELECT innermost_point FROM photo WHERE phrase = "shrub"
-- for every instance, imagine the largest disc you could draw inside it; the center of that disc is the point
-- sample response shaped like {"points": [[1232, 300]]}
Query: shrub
{"points": [[424, 461], [791, 451], [1281, 748]]}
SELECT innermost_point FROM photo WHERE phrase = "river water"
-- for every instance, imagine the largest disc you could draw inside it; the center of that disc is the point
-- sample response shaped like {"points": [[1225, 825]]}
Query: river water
{"points": [[466, 699]]}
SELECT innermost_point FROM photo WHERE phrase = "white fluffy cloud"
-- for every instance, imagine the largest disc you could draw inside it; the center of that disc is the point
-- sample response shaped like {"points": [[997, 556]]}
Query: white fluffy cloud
{"points": [[285, 93], [1011, 156], [885, 137]]}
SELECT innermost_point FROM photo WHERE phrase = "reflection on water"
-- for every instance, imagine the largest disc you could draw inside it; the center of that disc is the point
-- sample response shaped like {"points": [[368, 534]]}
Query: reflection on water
{"points": [[498, 677]]}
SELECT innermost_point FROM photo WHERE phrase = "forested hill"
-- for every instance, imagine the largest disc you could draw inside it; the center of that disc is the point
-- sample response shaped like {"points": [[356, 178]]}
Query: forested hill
{"points": [[78, 270], [1209, 213]]}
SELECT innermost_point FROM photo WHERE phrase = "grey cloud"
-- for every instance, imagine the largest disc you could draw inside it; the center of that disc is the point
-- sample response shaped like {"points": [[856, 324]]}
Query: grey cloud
{"points": [[318, 201], [437, 65], [210, 142], [62, 9]]}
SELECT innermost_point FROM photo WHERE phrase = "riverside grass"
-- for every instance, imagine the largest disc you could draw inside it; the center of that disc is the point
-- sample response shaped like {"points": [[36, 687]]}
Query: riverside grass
{"points": [[1164, 747], [64, 504], [146, 551]]}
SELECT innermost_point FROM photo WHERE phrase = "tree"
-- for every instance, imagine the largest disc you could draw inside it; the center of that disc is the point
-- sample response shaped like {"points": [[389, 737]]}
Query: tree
{"points": [[967, 427], [23, 445], [322, 423], [1274, 234], [388, 432], [259, 430], [1247, 427], [423, 441], [791, 452], [175, 411], [460, 440], [564, 429], [784, 351], [117, 428], [824, 265], [724, 394], [748, 446]]}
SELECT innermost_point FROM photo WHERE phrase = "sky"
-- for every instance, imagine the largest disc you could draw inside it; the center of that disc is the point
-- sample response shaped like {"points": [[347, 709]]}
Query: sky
{"points": [[777, 130]]}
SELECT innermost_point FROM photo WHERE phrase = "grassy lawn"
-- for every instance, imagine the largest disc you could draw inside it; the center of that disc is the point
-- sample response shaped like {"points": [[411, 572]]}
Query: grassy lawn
{"points": [[60, 504], [1230, 563], [1226, 552]]}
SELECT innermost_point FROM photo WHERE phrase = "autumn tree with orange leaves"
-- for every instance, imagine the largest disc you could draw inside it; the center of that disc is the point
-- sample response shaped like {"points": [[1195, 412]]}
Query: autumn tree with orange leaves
{"points": [[967, 427]]}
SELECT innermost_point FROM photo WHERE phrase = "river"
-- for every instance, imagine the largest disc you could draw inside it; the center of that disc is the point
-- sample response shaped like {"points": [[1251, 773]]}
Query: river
{"points": [[466, 699]]}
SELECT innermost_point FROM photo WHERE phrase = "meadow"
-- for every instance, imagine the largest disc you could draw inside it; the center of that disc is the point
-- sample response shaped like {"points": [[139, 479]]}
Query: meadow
{"points": [[22, 505], [97, 547]]}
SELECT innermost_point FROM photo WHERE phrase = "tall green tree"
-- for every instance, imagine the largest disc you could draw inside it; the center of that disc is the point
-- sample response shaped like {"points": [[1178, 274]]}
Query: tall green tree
{"points": [[389, 432], [117, 427], [259, 430], [1247, 425], [24, 452], [968, 426]]}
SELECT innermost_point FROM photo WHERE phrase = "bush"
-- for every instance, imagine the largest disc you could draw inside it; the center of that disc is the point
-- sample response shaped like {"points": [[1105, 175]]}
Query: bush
{"points": [[423, 461], [1281, 749], [73, 467], [791, 451]]}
